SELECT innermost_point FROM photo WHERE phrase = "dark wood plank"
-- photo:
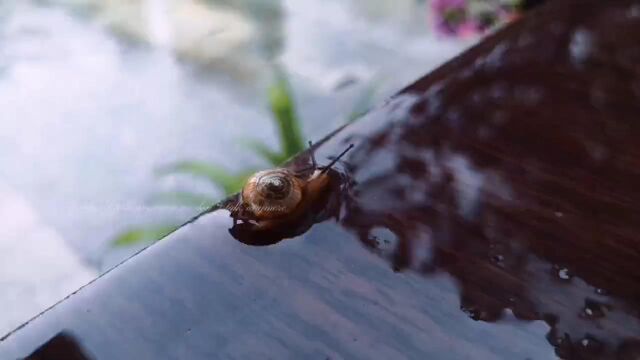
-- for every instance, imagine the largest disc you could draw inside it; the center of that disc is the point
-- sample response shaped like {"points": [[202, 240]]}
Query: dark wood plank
{"points": [[488, 211]]}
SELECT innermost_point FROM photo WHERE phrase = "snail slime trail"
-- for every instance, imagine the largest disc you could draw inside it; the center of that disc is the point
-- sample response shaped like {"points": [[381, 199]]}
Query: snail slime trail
{"points": [[285, 202]]}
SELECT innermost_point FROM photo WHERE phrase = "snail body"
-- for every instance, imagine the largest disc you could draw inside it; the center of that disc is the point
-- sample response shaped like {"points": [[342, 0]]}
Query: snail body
{"points": [[273, 197]]}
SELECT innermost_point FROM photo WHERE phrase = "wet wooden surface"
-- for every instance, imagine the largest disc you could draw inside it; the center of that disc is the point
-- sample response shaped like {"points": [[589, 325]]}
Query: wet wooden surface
{"points": [[490, 212]]}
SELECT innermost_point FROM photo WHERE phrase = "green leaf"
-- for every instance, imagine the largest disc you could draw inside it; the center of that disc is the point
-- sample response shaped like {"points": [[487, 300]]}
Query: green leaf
{"points": [[136, 236], [284, 113], [216, 175], [184, 198], [273, 157]]}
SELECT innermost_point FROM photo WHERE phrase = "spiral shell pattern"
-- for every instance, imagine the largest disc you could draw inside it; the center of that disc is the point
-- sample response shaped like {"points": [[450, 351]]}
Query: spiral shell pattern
{"points": [[272, 193]]}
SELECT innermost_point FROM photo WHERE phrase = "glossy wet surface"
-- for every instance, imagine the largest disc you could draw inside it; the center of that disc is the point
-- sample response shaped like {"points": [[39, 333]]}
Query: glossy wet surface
{"points": [[519, 176], [203, 295], [97, 95], [496, 200]]}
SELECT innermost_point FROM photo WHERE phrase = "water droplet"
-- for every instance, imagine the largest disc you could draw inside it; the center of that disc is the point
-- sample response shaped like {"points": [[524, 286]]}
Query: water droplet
{"points": [[382, 239], [593, 309], [473, 313], [498, 260], [563, 274], [373, 241], [581, 45], [591, 344], [600, 291], [588, 311]]}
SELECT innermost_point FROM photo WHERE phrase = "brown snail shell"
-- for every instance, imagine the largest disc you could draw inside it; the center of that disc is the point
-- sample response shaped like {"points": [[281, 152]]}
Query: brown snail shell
{"points": [[272, 193], [272, 197], [275, 197]]}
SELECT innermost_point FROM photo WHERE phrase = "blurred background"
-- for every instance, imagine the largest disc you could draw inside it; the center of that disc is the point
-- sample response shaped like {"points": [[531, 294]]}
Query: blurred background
{"points": [[121, 119]]}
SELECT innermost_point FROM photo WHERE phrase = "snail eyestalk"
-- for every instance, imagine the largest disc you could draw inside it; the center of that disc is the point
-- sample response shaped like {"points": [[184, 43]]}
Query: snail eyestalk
{"points": [[328, 167], [313, 156]]}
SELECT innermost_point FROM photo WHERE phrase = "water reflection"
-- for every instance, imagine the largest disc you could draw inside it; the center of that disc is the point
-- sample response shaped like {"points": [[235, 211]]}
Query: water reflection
{"points": [[526, 196], [444, 200], [536, 213]]}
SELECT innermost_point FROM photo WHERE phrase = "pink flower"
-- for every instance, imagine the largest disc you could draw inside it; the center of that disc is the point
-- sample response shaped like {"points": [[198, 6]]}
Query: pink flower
{"points": [[440, 6], [468, 29], [454, 18], [449, 16]]}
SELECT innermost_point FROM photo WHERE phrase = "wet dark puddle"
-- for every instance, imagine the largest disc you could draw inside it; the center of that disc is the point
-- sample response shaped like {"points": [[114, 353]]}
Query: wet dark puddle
{"points": [[508, 239], [513, 168]]}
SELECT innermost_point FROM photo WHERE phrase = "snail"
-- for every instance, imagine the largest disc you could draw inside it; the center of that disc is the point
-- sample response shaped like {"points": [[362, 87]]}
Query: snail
{"points": [[272, 198]]}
